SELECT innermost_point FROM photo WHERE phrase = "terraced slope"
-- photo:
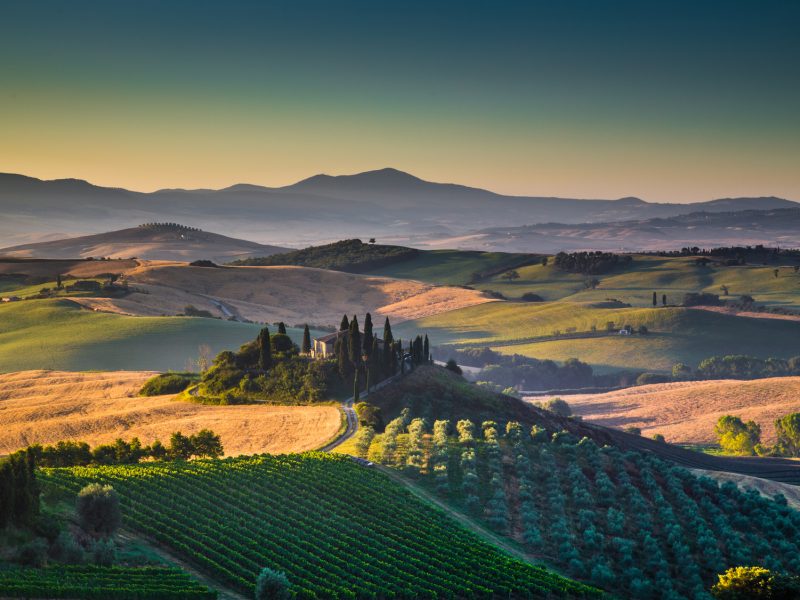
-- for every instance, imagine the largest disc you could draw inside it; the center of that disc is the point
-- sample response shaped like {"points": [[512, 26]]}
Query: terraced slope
{"points": [[337, 529]]}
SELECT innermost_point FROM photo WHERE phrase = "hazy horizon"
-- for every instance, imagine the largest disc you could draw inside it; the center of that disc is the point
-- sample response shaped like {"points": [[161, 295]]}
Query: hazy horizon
{"points": [[669, 103]]}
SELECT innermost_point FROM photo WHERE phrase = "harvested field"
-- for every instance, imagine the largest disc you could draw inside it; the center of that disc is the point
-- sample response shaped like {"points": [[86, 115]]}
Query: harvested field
{"points": [[42, 407], [686, 412]]}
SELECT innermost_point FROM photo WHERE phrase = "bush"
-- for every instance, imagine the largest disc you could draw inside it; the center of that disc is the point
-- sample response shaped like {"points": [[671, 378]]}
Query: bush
{"points": [[33, 554], [650, 378], [754, 583], [192, 311], [531, 297], [369, 415], [104, 553], [452, 365], [165, 383], [557, 406], [737, 437], [98, 510], [66, 550], [272, 585]]}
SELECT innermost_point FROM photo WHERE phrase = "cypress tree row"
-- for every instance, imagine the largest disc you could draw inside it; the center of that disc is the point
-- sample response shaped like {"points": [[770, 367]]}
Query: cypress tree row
{"points": [[264, 350], [306, 340], [368, 335]]}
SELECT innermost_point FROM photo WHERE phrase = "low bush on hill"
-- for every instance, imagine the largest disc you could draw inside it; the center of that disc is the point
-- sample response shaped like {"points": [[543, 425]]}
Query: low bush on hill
{"points": [[167, 383], [590, 263]]}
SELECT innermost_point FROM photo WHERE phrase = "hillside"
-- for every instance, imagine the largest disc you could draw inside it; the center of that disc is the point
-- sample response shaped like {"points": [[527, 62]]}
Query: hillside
{"points": [[295, 295], [150, 242], [335, 528], [385, 203], [44, 407], [58, 334], [629, 522], [686, 412]]}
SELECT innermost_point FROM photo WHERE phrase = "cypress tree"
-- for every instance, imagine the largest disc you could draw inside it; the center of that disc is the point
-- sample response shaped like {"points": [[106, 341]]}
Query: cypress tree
{"points": [[368, 335], [355, 388], [306, 340], [6, 492], [426, 350], [354, 343], [663, 299], [389, 364], [655, 299], [343, 358], [375, 363], [282, 328], [345, 324], [264, 350]]}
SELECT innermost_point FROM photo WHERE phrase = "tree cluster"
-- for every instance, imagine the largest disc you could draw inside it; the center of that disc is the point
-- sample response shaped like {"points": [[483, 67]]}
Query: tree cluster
{"points": [[590, 263], [19, 490]]}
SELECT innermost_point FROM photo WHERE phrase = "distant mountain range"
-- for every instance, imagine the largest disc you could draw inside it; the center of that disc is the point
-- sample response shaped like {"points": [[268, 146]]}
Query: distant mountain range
{"points": [[387, 204]]}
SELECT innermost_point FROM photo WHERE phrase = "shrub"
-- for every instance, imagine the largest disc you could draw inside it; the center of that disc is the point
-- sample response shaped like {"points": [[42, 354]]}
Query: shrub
{"points": [[66, 550], [33, 554], [531, 297], [192, 311], [737, 437], [98, 510], [754, 583], [452, 365], [657, 437], [557, 406], [369, 415], [650, 378], [104, 552], [272, 585], [165, 383]]}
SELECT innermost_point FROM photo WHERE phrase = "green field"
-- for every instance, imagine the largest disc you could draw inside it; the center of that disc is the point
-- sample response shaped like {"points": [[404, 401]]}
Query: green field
{"points": [[676, 334], [631, 523], [451, 267], [673, 276], [57, 334], [337, 529]]}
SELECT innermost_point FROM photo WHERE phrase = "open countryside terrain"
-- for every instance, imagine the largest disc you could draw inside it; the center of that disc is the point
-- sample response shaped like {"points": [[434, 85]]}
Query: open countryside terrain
{"points": [[686, 412], [43, 407]]}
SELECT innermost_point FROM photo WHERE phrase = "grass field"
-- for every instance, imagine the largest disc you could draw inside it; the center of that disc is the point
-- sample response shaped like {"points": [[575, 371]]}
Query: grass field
{"points": [[673, 276], [676, 334], [57, 334], [337, 529], [44, 407], [686, 412]]}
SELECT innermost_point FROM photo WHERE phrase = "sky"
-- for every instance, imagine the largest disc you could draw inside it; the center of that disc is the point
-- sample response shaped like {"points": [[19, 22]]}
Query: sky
{"points": [[667, 100]]}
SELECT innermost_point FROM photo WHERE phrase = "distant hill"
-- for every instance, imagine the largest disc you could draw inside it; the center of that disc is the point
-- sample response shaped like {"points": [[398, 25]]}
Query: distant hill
{"points": [[387, 204], [709, 228], [151, 242]]}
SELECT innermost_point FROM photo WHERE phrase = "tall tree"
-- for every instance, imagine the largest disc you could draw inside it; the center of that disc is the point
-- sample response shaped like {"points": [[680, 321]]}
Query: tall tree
{"points": [[367, 335], [375, 364], [356, 389], [655, 299], [354, 343], [306, 340], [264, 350], [426, 350], [389, 363], [282, 328], [343, 358], [345, 324], [663, 299]]}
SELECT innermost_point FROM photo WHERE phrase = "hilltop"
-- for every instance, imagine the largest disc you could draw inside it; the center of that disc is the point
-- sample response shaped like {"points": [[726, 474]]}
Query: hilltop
{"points": [[156, 241]]}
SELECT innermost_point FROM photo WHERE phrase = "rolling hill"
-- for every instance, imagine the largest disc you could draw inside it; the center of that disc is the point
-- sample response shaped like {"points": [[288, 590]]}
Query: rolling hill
{"points": [[151, 242], [385, 203], [44, 407], [686, 412]]}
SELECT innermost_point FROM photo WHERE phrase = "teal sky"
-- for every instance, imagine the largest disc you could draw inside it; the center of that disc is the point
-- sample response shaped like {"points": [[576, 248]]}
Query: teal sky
{"points": [[666, 100]]}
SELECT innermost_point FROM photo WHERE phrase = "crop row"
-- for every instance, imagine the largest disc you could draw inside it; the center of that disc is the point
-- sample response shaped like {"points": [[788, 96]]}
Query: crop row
{"points": [[338, 530]]}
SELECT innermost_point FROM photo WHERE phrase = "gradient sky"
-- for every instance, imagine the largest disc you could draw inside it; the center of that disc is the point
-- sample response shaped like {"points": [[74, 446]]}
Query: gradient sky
{"points": [[667, 100]]}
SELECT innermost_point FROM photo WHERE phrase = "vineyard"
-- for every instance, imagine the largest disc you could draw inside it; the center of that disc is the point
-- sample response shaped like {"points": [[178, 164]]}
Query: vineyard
{"points": [[626, 522], [102, 583], [336, 529]]}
